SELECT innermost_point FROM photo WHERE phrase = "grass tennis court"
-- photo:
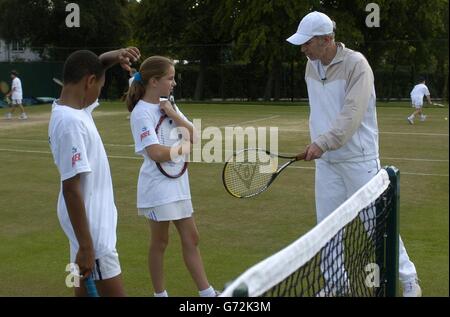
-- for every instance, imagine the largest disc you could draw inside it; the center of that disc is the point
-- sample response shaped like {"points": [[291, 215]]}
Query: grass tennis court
{"points": [[234, 234]]}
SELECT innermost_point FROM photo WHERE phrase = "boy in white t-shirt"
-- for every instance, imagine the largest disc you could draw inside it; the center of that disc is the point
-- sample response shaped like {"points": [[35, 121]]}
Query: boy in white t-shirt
{"points": [[86, 208], [16, 95], [419, 91]]}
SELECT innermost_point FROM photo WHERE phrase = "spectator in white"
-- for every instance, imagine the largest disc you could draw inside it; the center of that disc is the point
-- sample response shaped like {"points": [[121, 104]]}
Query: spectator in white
{"points": [[417, 94], [16, 96], [343, 127]]}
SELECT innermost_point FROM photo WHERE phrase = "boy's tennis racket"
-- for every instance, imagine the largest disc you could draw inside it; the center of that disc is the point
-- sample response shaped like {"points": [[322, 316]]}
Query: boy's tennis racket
{"points": [[250, 172], [57, 81], [169, 135], [90, 287]]}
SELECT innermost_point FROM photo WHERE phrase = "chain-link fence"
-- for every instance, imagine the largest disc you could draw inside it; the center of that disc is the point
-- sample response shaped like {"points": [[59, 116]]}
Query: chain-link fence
{"points": [[226, 78]]}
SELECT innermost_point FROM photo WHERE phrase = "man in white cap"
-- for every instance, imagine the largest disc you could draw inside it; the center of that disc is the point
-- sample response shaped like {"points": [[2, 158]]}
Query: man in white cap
{"points": [[343, 127]]}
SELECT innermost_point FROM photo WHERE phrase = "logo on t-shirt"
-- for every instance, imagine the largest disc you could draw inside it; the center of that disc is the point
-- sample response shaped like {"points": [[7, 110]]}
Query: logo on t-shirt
{"points": [[145, 133], [76, 156]]}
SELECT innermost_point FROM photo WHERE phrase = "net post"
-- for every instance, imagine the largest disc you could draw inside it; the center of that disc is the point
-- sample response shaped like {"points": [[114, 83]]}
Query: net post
{"points": [[392, 230], [241, 291]]}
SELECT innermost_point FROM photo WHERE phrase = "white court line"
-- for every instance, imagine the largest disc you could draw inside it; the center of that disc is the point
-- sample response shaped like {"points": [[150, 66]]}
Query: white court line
{"points": [[393, 133], [411, 159], [407, 133], [43, 141], [392, 158], [251, 121], [231, 152], [25, 151], [424, 174], [140, 158], [402, 173]]}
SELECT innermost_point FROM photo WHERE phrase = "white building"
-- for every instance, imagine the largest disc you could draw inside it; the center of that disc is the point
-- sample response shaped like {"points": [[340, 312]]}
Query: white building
{"points": [[16, 52]]}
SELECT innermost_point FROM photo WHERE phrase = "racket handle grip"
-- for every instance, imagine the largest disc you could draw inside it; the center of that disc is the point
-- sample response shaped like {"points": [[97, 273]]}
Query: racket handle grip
{"points": [[90, 287], [300, 156], [172, 100]]}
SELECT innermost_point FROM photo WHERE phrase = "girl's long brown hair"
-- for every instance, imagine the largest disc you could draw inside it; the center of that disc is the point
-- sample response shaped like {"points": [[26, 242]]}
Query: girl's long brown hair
{"points": [[152, 67]]}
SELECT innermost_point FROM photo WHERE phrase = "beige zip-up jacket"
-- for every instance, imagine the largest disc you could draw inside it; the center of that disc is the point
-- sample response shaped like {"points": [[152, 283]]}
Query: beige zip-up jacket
{"points": [[343, 121]]}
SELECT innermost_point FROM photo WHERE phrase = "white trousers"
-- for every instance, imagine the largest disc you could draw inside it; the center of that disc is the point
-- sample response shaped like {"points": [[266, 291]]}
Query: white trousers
{"points": [[336, 182]]}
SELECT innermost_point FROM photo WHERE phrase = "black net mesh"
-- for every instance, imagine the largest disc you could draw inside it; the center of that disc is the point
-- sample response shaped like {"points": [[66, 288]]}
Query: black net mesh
{"points": [[351, 264]]}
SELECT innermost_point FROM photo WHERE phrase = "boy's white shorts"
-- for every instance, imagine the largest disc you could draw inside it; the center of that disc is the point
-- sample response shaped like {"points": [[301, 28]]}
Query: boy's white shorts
{"points": [[106, 267]]}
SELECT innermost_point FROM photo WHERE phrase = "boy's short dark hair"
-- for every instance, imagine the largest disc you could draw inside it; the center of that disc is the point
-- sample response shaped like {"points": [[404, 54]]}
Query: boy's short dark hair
{"points": [[421, 79], [14, 72], [80, 64]]}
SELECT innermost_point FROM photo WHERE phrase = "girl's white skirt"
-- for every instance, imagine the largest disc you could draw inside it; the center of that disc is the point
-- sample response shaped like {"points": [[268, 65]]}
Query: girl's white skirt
{"points": [[171, 211]]}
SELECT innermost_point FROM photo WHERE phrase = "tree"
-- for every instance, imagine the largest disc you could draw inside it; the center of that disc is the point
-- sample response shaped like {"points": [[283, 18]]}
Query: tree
{"points": [[184, 29], [260, 30], [412, 38], [41, 23]]}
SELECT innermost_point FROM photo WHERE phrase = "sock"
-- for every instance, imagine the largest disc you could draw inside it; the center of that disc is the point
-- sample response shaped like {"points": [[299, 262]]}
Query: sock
{"points": [[209, 292], [162, 294]]}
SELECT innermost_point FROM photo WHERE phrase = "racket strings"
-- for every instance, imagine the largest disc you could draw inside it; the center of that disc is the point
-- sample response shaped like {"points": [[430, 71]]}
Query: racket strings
{"points": [[247, 175], [167, 136], [4, 87]]}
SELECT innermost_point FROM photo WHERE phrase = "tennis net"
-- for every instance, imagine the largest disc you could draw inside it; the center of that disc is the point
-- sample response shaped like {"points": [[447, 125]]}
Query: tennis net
{"points": [[353, 252]]}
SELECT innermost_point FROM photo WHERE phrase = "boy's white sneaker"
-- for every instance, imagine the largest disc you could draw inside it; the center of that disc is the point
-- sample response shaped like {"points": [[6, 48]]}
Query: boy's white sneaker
{"points": [[410, 120]]}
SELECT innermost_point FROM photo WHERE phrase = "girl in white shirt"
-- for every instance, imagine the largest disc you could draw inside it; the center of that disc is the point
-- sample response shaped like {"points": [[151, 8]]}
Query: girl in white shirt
{"points": [[159, 198]]}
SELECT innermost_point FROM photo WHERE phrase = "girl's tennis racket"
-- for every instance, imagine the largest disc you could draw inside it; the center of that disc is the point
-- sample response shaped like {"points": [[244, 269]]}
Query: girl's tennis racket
{"points": [[250, 172], [168, 135]]}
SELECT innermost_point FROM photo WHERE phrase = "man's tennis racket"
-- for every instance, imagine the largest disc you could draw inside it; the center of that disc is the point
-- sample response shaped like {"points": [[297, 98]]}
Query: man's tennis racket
{"points": [[250, 172], [438, 104], [90, 287], [169, 135]]}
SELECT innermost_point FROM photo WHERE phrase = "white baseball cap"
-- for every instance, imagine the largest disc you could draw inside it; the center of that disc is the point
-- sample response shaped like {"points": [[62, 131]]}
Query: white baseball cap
{"points": [[312, 24]]}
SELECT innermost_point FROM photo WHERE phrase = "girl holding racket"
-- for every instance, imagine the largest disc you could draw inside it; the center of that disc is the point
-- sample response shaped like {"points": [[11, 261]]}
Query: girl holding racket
{"points": [[163, 193]]}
